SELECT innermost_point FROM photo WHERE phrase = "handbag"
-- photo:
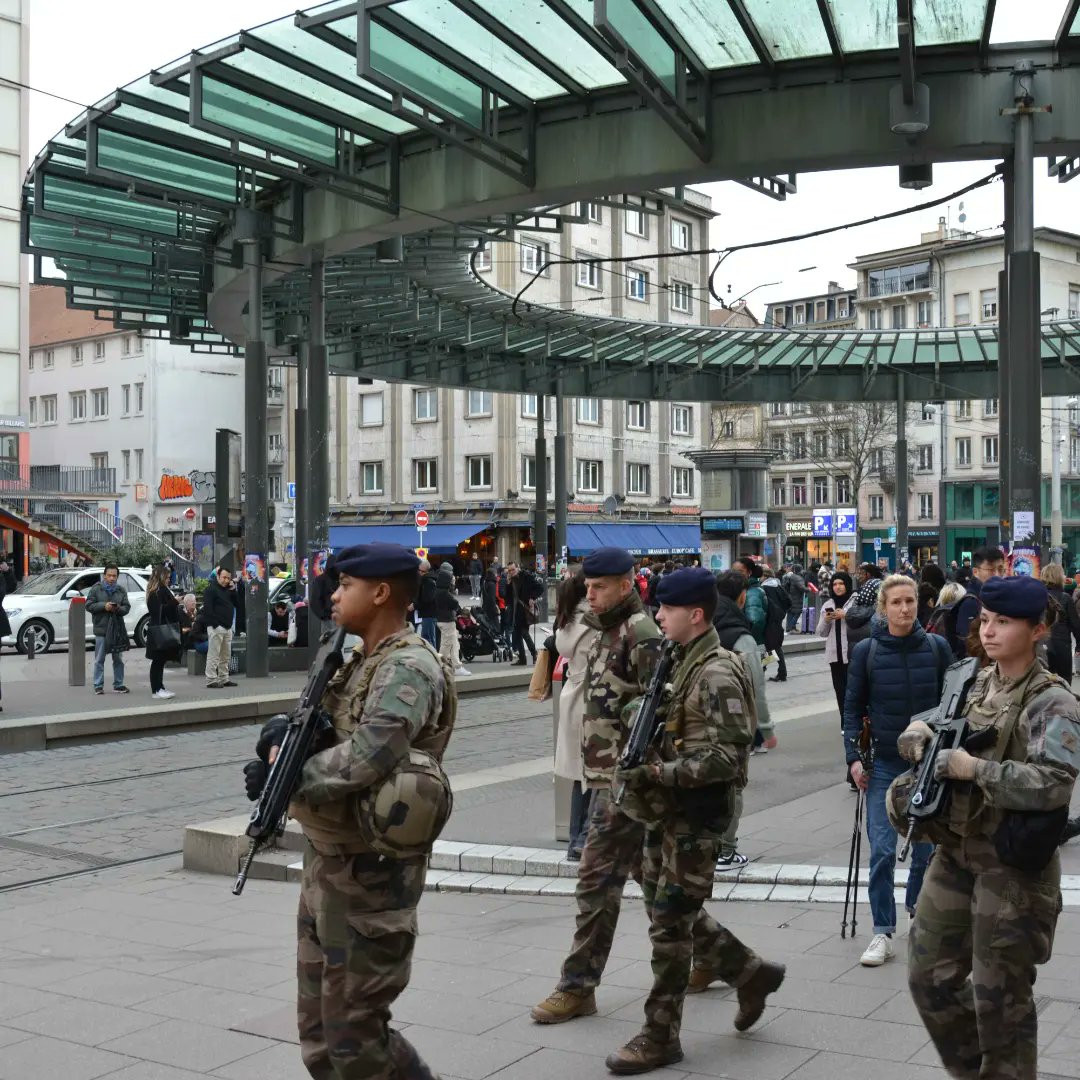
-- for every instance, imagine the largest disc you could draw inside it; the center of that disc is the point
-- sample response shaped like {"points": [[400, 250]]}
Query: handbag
{"points": [[116, 638], [540, 683], [163, 637]]}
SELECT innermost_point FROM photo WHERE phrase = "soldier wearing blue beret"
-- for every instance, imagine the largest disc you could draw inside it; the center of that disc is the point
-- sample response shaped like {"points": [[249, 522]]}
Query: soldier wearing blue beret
{"points": [[393, 696], [607, 562], [685, 795], [990, 901]]}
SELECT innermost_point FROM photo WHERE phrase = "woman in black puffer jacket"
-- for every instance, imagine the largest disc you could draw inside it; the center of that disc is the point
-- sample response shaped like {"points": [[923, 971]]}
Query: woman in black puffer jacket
{"points": [[1065, 629], [893, 675]]}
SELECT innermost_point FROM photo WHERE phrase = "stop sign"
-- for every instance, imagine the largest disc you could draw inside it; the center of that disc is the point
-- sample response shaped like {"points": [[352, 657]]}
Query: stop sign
{"points": [[421, 519]]}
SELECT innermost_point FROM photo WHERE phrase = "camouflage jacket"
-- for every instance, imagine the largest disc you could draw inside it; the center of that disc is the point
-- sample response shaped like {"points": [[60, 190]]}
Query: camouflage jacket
{"points": [[1038, 767], [711, 717], [619, 666], [373, 733]]}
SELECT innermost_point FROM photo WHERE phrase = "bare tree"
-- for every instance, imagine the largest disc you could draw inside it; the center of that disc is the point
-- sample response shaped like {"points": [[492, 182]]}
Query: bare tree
{"points": [[736, 425]]}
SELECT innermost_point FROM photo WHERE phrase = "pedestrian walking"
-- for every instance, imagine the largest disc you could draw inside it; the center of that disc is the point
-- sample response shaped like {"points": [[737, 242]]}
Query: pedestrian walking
{"points": [[622, 654], [684, 794], [392, 708], [986, 563], [992, 896], [861, 614], [1065, 629], [425, 606], [108, 604], [756, 606], [502, 593], [476, 572], [777, 606], [489, 600], [523, 596], [163, 631], [218, 614], [893, 675], [446, 612], [832, 627], [573, 639], [795, 586]]}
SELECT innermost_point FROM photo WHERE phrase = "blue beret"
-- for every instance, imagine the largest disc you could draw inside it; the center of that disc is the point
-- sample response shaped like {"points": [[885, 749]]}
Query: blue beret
{"points": [[607, 562], [376, 560], [1016, 597], [685, 588]]}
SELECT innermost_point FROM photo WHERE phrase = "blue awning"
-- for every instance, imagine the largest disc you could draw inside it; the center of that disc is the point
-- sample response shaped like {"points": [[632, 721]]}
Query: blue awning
{"points": [[440, 539], [637, 538]]}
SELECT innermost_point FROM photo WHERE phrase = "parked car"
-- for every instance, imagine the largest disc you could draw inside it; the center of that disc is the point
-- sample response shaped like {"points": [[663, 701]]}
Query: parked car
{"points": [[38, 608]]}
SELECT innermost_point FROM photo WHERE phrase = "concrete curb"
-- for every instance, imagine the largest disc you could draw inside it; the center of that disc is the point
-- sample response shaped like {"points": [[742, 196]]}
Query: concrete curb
{"points": [[41, 732]]}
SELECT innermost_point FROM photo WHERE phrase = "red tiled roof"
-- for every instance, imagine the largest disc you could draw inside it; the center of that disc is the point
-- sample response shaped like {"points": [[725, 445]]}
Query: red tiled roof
{"points": [[53, 322]]}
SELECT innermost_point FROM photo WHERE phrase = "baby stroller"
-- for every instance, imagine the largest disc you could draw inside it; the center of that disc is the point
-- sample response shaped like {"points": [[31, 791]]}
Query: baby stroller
{"points": [[478, 636]]}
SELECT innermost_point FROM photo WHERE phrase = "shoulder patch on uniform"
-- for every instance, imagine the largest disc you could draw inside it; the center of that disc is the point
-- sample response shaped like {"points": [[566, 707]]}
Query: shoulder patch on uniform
{"points": [[1069, 741], [734, 706]]}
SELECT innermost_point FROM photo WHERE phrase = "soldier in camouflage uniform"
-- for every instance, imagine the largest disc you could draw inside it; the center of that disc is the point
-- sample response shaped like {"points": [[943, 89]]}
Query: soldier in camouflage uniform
{"points": [[685, 794], [357, 915], [619, 666], [990, 902]]}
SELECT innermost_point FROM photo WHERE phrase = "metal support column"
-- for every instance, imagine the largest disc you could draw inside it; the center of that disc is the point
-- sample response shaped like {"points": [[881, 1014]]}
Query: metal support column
{"points": [[317, 461], [256, 526], [561, 483], [1057, 405], [943, 525], [1019, 368], [301, 453], [900, 497], [540, 518], [222, 485]]}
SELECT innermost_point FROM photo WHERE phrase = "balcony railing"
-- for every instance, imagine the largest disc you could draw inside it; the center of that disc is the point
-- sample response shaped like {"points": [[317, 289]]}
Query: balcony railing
{"points": [[275, 395], [878, 290], [56, 480], [275, 455]]}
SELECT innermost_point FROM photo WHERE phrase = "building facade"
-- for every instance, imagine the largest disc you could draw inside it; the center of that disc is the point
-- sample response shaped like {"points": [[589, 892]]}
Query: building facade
{"points": [[831, 310], [108, 400], [468, 457]]}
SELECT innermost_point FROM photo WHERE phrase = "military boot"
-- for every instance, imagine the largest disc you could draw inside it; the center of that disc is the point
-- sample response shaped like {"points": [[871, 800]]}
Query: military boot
{"points": [[563, 1005], [752, 994], [642, 1054], [701, 978]]}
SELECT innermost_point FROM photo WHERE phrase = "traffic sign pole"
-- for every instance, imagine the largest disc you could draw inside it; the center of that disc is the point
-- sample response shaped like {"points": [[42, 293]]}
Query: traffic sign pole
{"points": [[421, 520]]}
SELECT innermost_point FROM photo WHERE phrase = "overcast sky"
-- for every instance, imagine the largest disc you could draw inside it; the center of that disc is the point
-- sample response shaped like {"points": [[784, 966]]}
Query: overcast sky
{"points": [[85, 50]]}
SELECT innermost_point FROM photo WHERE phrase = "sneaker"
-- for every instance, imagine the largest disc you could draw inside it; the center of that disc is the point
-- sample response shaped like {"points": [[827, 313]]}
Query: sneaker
{"points": [[163, 694], [461, 672], [214, 685], [563, 1005], [878, 951], [99, 689], [228, 682], [731, 860], [752, 994], [121, 690], [759, 750], [642, 1054]]}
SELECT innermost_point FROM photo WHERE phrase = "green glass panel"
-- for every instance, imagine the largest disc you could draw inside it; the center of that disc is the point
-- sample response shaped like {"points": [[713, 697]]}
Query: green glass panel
{"points": [[533, 21], [991, 500], [945, 22], [864, 25], [264, 121], [466, 36], [429, 79], [64, 196], [969, 350], [791, 29], [165, 165], [80, 272], [1075, 28], [635, 29], [712, 31], [905, 349], [55, 237]]}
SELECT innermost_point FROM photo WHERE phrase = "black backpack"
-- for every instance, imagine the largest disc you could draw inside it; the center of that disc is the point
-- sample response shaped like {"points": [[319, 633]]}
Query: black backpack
{"points": [[942, 623], [778, 604]]}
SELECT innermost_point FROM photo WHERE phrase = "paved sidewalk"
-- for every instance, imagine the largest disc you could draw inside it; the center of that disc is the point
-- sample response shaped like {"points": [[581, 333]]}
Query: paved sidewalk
{"points": [[160, 974]]}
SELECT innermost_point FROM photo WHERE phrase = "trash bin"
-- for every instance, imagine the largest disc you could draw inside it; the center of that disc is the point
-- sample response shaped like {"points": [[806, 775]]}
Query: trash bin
{"points": [[563, 788]]}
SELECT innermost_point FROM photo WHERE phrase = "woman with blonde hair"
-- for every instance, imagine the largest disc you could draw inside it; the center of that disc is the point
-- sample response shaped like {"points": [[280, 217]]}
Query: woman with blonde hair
{"points": [[1065, 629], [894, 674]]}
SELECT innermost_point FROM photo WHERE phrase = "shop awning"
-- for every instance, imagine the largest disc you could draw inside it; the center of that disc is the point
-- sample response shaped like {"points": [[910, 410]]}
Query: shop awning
{"points": [[638, 538], [440, 539]]}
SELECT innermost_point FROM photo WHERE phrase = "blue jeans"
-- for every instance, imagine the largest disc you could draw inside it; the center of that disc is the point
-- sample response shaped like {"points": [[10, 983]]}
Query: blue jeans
{"points": [[99, 665], [429, 631], [883, 851]]}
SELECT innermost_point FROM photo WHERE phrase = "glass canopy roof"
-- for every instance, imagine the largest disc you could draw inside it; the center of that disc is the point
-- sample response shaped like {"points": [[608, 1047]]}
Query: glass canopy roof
{"points": [[131, 207]]}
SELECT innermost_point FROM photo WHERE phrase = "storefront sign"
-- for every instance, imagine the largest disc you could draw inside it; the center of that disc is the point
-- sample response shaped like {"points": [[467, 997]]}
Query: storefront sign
{"points": [[757, 524], [723, 525], [686, 511], [799, 528], [583, 508], [846, 521], [823, 523]]}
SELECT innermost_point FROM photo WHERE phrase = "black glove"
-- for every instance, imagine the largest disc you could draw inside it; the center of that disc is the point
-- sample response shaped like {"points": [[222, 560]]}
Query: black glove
{"points": [[255, 774], [272, 734], [641, 776]]}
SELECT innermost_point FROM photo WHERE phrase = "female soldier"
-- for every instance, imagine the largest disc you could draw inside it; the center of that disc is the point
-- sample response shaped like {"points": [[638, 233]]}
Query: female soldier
{"points": [[991, 897]]}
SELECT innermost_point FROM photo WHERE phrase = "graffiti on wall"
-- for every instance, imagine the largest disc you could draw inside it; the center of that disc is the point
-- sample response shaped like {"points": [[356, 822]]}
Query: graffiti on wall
{"points": [[197, 485]]}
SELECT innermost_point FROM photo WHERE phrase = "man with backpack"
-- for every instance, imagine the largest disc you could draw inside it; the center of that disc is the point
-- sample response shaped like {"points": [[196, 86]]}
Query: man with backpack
{"points": [[987, 563], [795, 586], [777, 605]]}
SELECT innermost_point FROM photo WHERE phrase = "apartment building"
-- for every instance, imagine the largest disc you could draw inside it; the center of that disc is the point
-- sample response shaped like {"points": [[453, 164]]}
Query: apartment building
{"points": [[468, 456], [950, 278], [832, 310], [112, 400]]}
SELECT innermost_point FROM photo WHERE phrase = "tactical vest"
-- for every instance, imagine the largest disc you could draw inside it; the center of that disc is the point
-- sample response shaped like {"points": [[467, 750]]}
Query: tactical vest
{"points": [[403, 815], [969, 814]]}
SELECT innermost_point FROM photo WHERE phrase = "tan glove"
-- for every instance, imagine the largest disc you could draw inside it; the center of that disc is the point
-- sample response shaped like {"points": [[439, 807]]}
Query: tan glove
{"points": [[955, 765], [913, 740]]}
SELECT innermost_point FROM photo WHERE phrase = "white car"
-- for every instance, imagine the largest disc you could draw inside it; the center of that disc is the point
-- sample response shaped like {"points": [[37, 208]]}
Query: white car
{"points": [[38, 608]]}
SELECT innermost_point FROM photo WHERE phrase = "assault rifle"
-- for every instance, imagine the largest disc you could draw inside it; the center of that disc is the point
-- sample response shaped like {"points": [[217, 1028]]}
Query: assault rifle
{"points": [[647, 721], [306, 722], [930, 796]]}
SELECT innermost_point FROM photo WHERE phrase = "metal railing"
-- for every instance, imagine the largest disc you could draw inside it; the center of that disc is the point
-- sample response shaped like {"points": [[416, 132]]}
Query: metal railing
{"points": [[878, 290], [275, 395], [56, 479]]}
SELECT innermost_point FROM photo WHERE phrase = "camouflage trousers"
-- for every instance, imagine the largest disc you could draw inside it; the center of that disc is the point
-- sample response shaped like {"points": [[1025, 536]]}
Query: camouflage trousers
{"points": [[356, 928], [980, 928], [677, 873]]}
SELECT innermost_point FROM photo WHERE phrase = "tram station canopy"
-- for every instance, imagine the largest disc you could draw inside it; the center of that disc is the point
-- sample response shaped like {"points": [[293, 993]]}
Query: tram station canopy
{"points": [[391, 139]]}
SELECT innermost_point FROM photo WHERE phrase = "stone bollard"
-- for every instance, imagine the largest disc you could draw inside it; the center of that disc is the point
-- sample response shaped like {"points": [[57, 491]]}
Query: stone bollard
{"points": [[77, 641]]}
